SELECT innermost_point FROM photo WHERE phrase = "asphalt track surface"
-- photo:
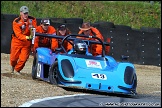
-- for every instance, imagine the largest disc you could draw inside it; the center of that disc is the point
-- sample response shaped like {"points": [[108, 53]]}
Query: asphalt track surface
{"points": [[90, 100]]}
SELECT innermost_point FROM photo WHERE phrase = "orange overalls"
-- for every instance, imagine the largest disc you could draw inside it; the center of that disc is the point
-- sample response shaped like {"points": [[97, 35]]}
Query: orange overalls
{"points": [[96, 48], [45, 41], [66, 45], [20, 46]]}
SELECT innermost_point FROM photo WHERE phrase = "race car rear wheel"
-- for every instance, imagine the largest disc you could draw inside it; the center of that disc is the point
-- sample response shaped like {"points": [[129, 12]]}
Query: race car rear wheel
{"points": [[53, 76], [34, 67]]}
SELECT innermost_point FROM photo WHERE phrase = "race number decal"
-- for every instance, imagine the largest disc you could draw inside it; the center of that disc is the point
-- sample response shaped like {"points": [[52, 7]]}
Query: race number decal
{"points": [[38, 70], [94, 64], [99, 76]]}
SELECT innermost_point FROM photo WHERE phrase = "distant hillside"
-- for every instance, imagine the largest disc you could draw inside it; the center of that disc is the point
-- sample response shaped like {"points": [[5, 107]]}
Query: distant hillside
{"points": [[131, 13]]}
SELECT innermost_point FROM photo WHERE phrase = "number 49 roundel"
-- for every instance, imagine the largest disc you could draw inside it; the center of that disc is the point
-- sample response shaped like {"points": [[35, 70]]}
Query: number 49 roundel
{"points": [[99, 76]]}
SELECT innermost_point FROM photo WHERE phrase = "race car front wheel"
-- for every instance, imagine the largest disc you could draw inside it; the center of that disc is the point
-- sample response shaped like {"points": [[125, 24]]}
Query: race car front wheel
{"points": [[53, 77], [34, 67], [135, 81]]}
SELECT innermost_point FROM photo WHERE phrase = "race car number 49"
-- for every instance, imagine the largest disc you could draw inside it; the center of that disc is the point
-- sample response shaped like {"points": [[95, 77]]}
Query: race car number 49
{"points": [[99, 76]]}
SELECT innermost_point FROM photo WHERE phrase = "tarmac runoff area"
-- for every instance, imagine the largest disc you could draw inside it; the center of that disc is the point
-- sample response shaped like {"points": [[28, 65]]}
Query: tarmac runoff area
{"points": [[89, 100]]}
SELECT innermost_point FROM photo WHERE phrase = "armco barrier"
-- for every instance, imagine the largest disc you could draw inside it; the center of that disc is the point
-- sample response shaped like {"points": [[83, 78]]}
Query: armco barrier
{"points": [[141, 46]]}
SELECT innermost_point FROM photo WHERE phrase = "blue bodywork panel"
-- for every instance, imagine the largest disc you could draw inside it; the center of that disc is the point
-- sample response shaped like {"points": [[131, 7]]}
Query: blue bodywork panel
{"points": [[100, 73]]}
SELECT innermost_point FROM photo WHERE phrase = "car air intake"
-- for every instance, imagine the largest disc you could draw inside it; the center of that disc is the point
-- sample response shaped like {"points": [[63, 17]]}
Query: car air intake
{"points": [[67, 68], [128, 75]]}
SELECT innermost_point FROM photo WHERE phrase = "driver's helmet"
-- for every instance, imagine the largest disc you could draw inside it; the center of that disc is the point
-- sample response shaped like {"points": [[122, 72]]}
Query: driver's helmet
{"points": [[80, 47]]}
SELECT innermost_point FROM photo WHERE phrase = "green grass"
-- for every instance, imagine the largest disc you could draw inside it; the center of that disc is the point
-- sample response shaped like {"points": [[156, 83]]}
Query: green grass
{"points": [[131, 13]]}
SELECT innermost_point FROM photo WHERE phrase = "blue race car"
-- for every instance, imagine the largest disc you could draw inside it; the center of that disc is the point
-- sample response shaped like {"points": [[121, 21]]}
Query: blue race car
{"points": [[83, 70]]}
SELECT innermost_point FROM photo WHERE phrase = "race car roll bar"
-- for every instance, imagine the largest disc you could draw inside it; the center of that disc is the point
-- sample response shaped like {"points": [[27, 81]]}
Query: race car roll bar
{"points": [[87, 41], [71, 37]]}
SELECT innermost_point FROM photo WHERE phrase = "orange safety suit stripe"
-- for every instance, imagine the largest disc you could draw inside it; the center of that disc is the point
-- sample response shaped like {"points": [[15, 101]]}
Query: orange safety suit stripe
{"points": [[96, 49], [43, 41], [20, 46]]}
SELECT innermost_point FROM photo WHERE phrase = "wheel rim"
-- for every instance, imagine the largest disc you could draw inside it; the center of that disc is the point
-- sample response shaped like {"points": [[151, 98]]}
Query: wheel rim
{"points": [[53, 75], [34, 68]]}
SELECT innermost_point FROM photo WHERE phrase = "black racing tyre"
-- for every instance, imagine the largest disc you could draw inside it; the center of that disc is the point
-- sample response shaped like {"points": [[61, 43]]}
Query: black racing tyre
{"points": [[105, 24], [53, 73], [74, 28], [8, 17], [74, 20], [57, 20], [34, 67], [38, 21], [150, 30], [122, 27], [96, 25], [6, 31], [56, 24], [135, 81]]}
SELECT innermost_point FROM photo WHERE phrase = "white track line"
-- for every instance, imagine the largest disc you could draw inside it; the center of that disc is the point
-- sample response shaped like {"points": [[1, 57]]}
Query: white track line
{"points": [[28, 104]]}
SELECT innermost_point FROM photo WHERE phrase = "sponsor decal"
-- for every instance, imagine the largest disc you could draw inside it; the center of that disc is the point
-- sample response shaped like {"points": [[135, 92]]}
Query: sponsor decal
{"points": [[93, 63]]}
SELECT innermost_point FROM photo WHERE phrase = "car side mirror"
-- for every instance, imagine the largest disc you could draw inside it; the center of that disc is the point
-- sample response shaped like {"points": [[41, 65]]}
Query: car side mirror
{"points": [[124, 58]]}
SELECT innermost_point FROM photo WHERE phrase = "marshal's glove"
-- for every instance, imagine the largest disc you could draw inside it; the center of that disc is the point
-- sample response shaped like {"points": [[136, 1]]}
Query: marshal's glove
{"points": [[29, 37]]}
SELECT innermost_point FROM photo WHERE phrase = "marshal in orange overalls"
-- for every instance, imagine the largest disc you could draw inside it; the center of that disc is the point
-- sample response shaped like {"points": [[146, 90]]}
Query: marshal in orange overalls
{"points": [[45, 41], [62, 30], [20, 46], [91, 31]]}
